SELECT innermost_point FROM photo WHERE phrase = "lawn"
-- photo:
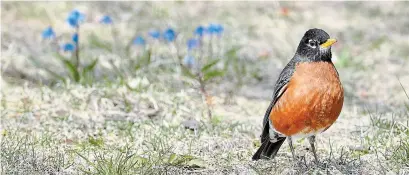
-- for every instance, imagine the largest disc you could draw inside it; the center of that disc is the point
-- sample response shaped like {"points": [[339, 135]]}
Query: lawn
{"points": [[182, 87]]}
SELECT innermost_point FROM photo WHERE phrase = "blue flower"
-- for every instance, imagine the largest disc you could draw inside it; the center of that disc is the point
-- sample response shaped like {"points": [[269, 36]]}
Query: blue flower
{"points": [[48, 33], [106, 20], [68, 47], [154, 34], [139, 40], [192, 43], [189, 61], [75, 17], [169, 35], [215, 29], [200, 30], [72, 22], [75, 38]]}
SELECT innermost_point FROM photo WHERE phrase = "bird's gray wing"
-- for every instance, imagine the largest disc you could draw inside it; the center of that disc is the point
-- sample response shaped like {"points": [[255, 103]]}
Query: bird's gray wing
{"points": [[279, 90]]}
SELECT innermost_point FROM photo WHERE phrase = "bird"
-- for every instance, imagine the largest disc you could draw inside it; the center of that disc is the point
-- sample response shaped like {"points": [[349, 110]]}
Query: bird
{"points": [[307, 99]]}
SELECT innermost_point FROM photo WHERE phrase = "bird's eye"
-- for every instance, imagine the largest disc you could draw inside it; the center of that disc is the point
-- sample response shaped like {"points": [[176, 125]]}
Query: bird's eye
{"points": [[312, 43]]}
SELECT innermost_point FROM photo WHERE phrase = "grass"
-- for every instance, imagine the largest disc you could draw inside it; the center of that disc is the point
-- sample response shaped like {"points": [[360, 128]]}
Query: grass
{"points": [[390, 138], [24, 154], [135, 112], [146, 153], [155, 157], [122, 144]]}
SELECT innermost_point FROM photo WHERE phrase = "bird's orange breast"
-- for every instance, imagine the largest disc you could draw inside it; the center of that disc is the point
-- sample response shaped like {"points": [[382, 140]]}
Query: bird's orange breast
{"points": [[311, 102]]}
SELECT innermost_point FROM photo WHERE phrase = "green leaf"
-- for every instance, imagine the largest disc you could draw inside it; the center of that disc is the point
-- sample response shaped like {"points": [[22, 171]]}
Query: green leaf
{"points": [[147, 57], [86, 76], [90, 67], [216, 120], [210, 65], [72, 69], [182, 159], [95, 141], [59, 56], [256, 143], [213, 74], [231, 56], [186, 71], [233, 51], [138, 66], [54, 74], [186, 161], [144, 60], [96, 42], [4, 133], [172, 157], [197, 163]]}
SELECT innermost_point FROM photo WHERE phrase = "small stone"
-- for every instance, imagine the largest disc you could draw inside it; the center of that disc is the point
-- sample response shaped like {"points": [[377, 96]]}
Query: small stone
{"points": [[191, 124]]}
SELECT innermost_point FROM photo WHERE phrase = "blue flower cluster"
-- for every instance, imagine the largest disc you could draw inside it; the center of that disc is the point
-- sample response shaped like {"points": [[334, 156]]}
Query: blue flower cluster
{"points": [[212, 29], [169, 35], [48, 33], [155, 34], [106, 20], [139, 41], [192, 43], [75, 38], [215, 29], [76, 18], [200, 31], [189, 61], [68, 47]]}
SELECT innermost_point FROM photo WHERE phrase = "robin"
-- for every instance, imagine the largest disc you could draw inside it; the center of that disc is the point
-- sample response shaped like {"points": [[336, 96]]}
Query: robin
{"points": [[308, 97]]}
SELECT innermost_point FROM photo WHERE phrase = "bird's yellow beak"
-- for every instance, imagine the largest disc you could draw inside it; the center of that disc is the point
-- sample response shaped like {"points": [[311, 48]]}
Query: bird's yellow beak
{"points": [[328, 43]]}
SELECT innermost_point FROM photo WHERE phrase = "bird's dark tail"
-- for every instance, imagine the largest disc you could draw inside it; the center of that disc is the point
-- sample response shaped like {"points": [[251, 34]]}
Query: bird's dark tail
{"points": [[268, 149]]}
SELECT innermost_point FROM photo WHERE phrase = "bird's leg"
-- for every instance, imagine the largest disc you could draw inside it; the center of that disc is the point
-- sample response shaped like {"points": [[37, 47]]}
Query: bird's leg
{"points": [[290, 143], [312, 141]]}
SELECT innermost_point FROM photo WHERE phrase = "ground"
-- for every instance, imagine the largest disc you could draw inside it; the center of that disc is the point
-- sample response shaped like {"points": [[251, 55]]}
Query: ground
{"points": [[156, 122]]}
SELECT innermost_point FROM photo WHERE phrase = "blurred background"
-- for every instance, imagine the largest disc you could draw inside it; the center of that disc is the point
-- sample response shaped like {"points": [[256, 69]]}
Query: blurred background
{"points": [[182, 87]]}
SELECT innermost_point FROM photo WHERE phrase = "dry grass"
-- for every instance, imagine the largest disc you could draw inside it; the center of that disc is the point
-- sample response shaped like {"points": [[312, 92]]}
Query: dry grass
{"points": [[107, 128]]}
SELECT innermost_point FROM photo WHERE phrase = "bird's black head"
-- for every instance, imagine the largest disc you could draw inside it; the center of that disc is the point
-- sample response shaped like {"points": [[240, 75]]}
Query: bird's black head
{"points": [[315, 45]]}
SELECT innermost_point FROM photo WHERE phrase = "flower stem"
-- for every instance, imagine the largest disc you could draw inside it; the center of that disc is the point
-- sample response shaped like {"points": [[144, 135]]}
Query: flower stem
{"points": [[77, 49], [210, 46], [205, 95]]}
